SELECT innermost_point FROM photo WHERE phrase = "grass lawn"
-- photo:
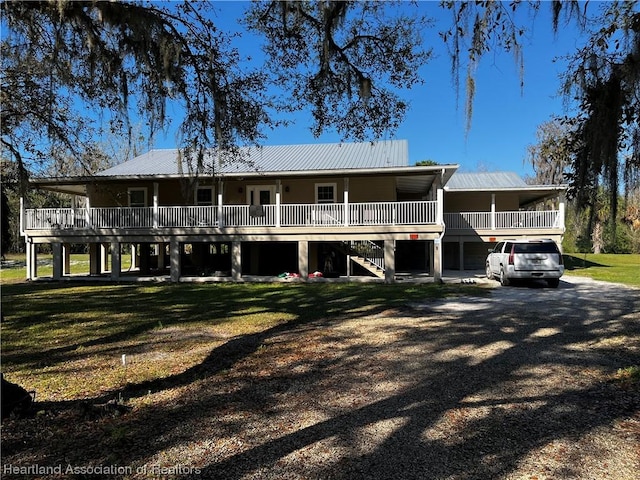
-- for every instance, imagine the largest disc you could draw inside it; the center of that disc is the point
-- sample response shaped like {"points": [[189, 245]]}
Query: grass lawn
{"points": [[14, 269], [66, 341], [606, 267]]}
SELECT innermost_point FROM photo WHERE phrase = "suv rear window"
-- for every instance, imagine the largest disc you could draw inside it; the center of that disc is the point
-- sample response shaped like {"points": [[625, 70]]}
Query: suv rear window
{"points": [[543, 247]]}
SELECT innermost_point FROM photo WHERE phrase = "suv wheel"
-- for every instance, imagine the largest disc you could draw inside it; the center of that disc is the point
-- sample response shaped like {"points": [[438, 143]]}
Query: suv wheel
{"points": [[489, 272], [504, 281], [553, 282]]}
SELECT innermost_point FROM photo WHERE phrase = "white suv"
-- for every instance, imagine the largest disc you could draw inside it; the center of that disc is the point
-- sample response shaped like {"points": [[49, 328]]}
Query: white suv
{"points": [[526, 259]]}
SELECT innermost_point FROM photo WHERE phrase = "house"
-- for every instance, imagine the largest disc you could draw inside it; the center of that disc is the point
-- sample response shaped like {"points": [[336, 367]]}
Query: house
{"points": [[354, 210]]}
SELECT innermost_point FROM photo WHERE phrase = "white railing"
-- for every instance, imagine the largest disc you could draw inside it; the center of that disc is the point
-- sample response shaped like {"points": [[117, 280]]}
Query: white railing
{"points": [[502, 220], [368, 250], [312, 215], [121, 217], [194, 216], [287, 215]]}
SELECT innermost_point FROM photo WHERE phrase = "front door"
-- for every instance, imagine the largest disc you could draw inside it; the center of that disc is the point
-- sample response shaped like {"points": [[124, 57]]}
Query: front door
{"points": [[261, 194]]}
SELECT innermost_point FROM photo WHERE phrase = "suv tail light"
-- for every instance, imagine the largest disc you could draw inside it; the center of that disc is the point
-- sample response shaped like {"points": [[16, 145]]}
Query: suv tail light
{"points": [[511, 254], [560, 259]]}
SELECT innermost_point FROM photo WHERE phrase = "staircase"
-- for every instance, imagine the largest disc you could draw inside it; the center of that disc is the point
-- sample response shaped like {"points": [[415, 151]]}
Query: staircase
{"points": [[368, 255]]}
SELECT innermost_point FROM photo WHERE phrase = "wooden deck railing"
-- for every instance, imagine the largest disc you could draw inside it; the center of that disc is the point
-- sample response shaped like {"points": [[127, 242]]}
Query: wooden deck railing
{"points": [[284, 215], [546, 219]]}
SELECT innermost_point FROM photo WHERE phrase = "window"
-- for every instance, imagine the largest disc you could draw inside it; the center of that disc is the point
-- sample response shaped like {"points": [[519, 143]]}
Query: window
{"points": [[137, 197], [325, 192], [204, 196]]}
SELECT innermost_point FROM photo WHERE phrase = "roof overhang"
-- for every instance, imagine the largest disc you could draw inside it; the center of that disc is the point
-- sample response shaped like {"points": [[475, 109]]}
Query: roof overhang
{"points": [[526, 195], [411, 178]]}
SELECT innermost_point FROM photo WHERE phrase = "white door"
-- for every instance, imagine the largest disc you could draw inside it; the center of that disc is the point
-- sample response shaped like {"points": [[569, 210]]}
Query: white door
{"points": [[261, 194]]}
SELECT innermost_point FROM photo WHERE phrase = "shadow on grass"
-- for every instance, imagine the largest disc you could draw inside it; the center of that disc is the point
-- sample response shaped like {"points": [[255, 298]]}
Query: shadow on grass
{"points": [[576, 263], [273, 382]]}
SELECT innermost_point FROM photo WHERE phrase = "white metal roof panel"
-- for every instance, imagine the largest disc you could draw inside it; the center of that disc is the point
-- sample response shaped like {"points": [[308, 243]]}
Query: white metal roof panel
{"points": [[485, 181], [281, 158]]}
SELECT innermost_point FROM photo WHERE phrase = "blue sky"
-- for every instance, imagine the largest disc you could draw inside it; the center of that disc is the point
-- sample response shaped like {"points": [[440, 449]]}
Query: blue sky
{"points": [[505, 116]]}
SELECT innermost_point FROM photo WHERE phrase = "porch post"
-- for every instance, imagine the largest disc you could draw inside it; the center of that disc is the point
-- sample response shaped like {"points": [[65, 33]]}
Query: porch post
{"points": [[134, 261], [236, 260], [440, 205], [56, 249], [437, 260], [493, 211], [220, 192], [155, 204], [28, 253], [161, 252], [461, 253], [389, 260], [303, 258], [116, 261], [32, 248], [66, 258], [346, 202], [561, 209], [104, 258], [95, 260], [87, 213], [278, 188], [174, 259]]}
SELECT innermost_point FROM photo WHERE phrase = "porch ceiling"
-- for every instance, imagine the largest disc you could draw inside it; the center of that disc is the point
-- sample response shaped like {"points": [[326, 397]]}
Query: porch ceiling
{"points": [[415, 184]]}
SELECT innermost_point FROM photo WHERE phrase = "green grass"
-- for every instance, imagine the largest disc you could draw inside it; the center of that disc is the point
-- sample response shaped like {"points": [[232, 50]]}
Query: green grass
{"points": [[66, 341], [606, 267], [15, 270]]}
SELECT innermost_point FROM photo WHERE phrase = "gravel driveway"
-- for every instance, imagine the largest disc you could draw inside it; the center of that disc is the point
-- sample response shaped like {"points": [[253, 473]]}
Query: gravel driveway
{"points": [[519, 384]]}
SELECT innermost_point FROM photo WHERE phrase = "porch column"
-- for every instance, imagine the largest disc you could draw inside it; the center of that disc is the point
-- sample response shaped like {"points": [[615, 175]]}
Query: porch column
{"points": [[87, 213], [32, 260], [95, 260], [220, 192], [116, 260], [493, 211], [437, 260], [155, 205], [174, 260], [389, 260], [161, 252], [134, 260], [66, 259], [278, 188], [104, 258], [56, 250], [236, 261], [346, 202], [561, 209], [461, 254], [303, 258], [440, 207]]}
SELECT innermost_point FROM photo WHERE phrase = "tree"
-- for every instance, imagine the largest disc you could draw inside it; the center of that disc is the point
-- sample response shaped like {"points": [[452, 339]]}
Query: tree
{"points": [[551, 156], [603, 80], [108, 54], [426, 163], [346, 60]]}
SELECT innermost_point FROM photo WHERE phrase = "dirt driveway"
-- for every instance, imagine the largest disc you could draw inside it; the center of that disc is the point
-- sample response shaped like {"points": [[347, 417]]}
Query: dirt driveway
{"points": [[519, 384]]}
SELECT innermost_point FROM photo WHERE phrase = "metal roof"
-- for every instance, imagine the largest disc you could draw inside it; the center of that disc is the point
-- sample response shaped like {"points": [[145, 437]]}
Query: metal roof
{"points": [[485, 181], [281, 158]]}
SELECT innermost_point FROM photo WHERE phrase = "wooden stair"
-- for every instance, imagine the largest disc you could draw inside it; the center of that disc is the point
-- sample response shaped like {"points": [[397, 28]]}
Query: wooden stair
{"points": [[368, 266]]}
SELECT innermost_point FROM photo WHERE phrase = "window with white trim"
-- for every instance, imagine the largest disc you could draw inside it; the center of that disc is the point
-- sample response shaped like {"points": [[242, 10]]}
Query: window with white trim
{"points": [[137, 197], [326, 193]]}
